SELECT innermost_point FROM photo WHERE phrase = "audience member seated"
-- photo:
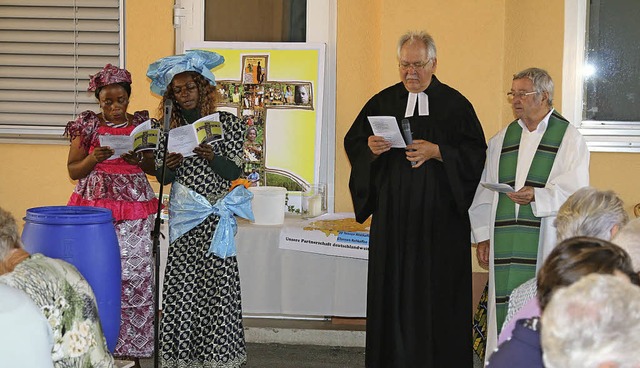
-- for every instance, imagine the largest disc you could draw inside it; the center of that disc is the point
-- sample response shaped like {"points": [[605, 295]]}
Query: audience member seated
{"points": [[593, 323], [587, 212], [25, 335], [566, 264], [628, 238], [63, 297]]}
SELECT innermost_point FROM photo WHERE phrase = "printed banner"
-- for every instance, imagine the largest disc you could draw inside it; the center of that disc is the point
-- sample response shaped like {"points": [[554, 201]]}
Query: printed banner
{"points": [[336, 234]]}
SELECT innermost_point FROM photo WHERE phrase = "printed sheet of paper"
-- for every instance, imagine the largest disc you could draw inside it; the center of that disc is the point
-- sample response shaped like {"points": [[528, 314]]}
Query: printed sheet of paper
{"points": [[187, 137], [183, 140], [387, 127], [147, 137], [499, 187], [119, 143]]}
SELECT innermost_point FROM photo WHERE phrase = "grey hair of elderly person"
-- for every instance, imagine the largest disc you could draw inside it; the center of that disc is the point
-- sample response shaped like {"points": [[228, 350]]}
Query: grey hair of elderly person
{"points": [[9, 237], [420, 36], [587, 212], [591, 212], [593, 323], [628, 238], [542, 82]]}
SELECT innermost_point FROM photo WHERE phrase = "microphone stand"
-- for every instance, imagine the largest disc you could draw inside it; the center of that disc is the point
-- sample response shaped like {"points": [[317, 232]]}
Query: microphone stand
{"points": [[156, 252]]}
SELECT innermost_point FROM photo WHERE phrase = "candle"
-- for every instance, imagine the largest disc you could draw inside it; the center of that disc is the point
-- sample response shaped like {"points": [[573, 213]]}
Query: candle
{"points": [[314, 205]]}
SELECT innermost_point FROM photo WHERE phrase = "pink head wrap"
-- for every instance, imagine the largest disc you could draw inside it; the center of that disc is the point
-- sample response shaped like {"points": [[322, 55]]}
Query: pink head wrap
{"points": [[108, 75]]}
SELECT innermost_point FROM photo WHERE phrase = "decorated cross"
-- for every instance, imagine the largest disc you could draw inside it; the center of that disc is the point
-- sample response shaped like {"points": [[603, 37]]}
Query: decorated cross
{"points": [[252, 95]]}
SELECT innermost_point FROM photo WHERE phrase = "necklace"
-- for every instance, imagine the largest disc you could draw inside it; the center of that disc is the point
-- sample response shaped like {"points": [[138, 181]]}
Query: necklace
{"points": [[118, 125], [121, 125]]}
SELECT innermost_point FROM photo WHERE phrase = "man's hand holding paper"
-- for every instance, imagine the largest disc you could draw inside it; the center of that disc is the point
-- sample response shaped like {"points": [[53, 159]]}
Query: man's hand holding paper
{"points": [[523, 196], [387, 127], [386, 134], [498, 187], [378, 145]]}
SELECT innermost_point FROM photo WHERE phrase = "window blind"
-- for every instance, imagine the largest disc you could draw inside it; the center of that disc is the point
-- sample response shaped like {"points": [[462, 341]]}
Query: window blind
{"points": [[48, 49]]}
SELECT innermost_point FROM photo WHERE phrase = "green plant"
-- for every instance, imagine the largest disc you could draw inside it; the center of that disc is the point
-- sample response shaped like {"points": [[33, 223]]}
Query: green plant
{"points": [[290, 209], [277, 180]]}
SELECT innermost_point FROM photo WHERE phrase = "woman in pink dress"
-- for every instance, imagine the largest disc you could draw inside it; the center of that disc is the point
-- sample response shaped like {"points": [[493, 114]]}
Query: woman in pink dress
{"points": [[119, 184]]}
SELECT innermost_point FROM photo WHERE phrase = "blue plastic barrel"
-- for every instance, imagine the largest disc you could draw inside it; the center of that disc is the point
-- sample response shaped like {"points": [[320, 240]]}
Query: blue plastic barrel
{"points": [[86, 238]]}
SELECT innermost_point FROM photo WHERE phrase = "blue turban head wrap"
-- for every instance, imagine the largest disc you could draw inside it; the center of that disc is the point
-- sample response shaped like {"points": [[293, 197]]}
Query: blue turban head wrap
{"points": [[162, 71]]}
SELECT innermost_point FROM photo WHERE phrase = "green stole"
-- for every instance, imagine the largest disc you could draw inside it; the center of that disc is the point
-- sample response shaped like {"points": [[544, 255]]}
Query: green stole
{"points": [[516, 239]]}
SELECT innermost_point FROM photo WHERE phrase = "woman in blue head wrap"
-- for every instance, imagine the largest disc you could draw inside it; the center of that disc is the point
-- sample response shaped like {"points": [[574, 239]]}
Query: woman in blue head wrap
{"points": [[201, 323]]}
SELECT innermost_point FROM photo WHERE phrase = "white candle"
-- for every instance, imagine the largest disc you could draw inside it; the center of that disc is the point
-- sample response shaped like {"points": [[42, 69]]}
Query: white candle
{"points": [[314, 205]]}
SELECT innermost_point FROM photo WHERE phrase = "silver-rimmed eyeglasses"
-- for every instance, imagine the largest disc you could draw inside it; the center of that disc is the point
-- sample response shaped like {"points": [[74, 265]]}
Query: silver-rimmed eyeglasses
{"points": [[417, 65], [520, 94]]}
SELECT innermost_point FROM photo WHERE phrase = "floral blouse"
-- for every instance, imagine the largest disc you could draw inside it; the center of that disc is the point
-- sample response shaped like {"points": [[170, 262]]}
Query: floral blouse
{"points": [[113, 184]]}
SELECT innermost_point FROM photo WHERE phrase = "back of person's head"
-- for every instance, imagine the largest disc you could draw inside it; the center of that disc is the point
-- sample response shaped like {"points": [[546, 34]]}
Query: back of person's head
{"points": [[9, 237], [593, 323], [542, 81], [590, 212], [578, 257], [628, 238]]}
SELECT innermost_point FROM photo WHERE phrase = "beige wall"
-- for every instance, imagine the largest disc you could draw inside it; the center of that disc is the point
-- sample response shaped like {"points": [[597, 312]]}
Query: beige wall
{"points": [[480, 45], [469, 37], [149, 35]]}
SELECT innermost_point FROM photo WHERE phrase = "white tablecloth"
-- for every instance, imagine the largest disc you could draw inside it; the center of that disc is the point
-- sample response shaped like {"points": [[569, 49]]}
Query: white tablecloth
{"points": [[286, 282]]}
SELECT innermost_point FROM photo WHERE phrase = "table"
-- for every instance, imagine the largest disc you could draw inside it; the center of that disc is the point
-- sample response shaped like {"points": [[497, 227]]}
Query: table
{"points": [[283, 282]]}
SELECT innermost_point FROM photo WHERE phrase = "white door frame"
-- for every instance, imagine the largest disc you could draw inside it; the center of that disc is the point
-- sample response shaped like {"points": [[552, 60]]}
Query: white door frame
{"points": [[321, 28]]}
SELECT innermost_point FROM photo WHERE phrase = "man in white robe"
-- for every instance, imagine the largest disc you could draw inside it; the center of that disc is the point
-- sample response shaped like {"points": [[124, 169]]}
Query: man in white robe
{"points": [[532, 101]]}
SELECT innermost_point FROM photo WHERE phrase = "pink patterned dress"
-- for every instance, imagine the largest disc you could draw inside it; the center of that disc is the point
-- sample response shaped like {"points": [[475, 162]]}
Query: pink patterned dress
{"points": [[124, 189]]}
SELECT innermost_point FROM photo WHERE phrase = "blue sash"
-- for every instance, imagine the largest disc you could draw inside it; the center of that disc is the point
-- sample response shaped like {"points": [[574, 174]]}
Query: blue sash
{"points": [[188, 209]]}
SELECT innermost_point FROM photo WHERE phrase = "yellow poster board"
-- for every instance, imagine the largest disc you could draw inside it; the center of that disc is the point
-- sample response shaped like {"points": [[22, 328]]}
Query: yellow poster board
{"points": [[277, 89]]}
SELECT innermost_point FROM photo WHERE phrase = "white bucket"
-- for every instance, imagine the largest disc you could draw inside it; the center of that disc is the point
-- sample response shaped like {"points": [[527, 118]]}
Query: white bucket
{"points": [[268, 205]]}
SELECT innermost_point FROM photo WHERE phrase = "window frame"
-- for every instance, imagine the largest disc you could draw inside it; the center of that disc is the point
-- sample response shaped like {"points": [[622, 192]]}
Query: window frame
{"points": [[601, 136], [46, 134]]}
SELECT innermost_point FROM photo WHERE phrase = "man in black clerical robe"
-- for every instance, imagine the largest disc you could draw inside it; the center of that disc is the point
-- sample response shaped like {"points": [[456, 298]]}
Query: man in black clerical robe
{"points": [[419, 310]]}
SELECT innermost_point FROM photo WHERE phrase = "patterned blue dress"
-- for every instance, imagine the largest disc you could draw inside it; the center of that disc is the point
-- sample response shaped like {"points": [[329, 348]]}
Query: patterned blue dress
{"points": [[201, 323]]}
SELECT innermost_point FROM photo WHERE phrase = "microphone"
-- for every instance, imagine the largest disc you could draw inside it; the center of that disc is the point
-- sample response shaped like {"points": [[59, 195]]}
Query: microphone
{"points": [[168, 107], [406, 132]]}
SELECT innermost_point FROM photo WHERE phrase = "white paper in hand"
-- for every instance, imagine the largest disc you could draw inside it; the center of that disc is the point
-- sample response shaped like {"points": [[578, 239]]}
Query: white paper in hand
{"points": [[387, 127], [499, 187]]}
